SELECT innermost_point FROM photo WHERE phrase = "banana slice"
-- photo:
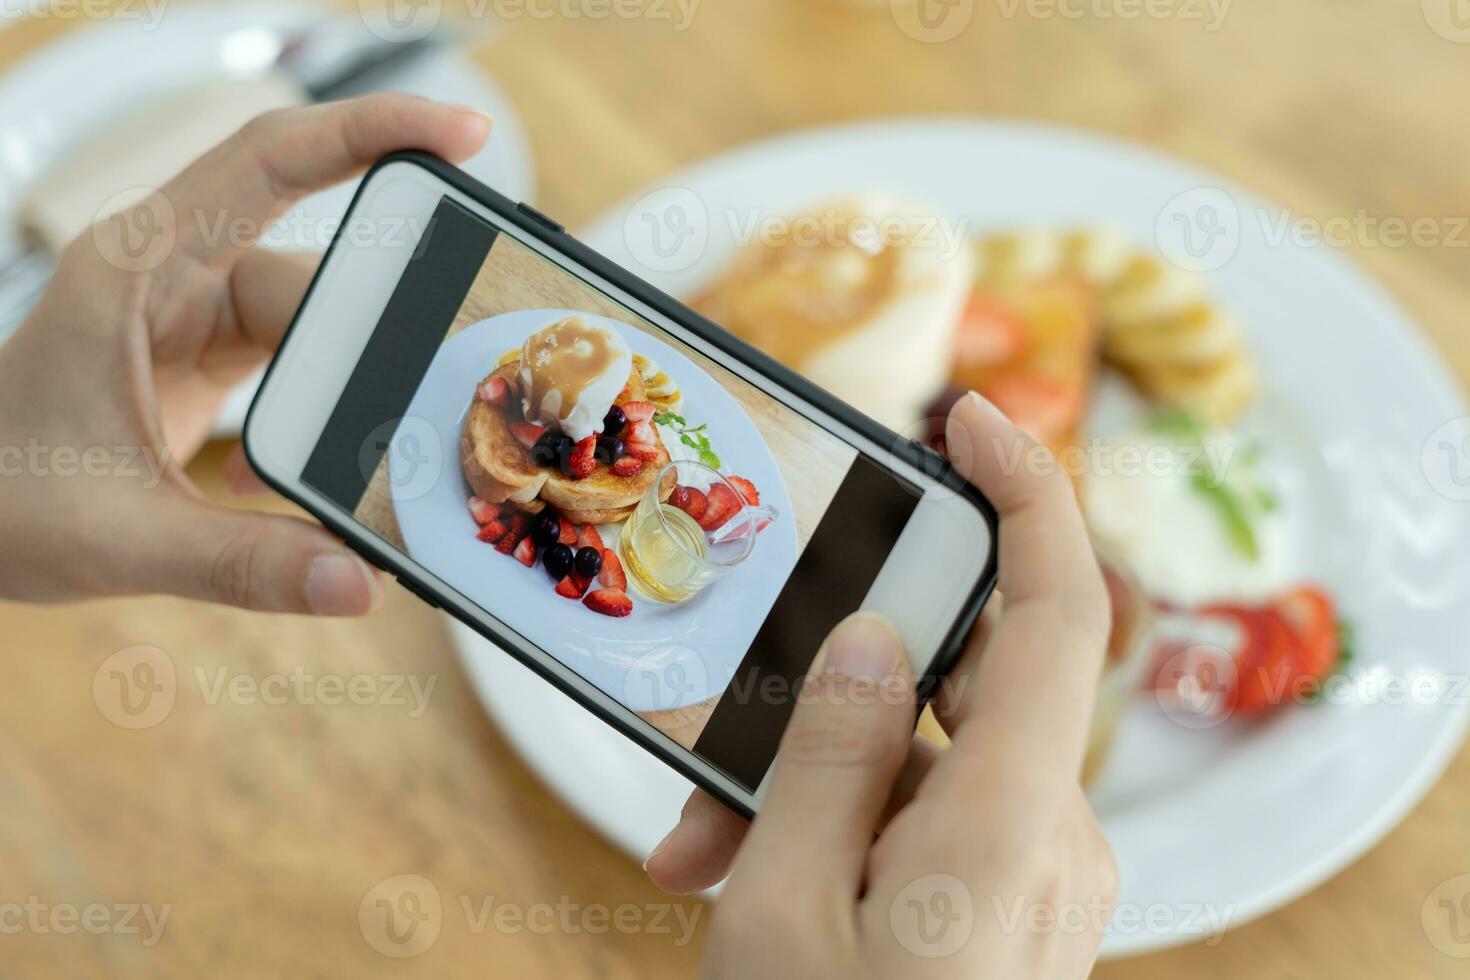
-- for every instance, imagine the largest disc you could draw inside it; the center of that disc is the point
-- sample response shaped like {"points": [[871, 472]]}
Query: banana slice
{"points": [[662, 390], [1217, 392], [1196, 334], [1150, 288]]}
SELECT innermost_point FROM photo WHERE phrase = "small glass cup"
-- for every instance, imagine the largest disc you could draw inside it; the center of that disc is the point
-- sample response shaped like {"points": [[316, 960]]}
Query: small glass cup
{"points": [[667, 555]]}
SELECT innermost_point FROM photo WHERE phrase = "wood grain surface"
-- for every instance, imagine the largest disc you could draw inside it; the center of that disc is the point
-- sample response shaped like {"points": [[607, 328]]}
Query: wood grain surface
{"points": [[265, 827]]}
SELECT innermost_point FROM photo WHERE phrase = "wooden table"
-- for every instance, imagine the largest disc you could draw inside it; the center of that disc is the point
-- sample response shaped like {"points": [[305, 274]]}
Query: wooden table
{"points": [[264, 826]]}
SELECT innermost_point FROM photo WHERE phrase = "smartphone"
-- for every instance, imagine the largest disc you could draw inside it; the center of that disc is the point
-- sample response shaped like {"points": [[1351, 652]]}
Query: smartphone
{"points": [[652, 515]]}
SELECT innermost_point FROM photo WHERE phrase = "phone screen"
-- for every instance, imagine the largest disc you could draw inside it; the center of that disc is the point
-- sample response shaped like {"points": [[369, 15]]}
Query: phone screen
{"points": [[674, 535]]}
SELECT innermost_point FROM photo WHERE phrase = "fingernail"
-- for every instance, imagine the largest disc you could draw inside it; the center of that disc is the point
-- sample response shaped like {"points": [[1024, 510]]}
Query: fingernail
{"points": [[340, 585], [984, 404], [658, 847], [863, 645]]}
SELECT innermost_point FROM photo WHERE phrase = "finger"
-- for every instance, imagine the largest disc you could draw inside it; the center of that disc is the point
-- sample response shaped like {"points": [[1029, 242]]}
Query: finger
{"points": [[698, 852], [836, 765], [951, 702], [241, 476], [1036, 680], [279, 157], [266, 288], [255, 561]]}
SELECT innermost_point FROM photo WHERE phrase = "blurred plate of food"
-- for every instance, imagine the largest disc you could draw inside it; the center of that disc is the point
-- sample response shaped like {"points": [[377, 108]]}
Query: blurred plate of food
{"points": [[1262, 443], [64, 154]]}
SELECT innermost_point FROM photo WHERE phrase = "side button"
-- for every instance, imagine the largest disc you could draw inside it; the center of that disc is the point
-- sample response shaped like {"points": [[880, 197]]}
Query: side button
{"points": [[416, 590], [540, 218]]}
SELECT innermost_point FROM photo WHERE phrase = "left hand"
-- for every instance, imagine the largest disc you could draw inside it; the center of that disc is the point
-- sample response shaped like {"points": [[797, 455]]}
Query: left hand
{"points": [[113, 381]]}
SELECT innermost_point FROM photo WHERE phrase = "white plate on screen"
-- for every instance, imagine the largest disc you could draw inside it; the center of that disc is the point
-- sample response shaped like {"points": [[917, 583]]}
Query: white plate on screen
{"points": [[186, 44], [659, 657], [1242, 819]]}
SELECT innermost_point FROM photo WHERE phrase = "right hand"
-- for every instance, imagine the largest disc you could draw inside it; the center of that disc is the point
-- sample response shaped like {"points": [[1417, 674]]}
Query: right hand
{"points": [[969, 841]]}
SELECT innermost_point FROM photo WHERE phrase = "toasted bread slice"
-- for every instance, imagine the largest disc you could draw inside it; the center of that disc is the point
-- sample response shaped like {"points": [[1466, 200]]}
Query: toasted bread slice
{"points": [[497, 466]]}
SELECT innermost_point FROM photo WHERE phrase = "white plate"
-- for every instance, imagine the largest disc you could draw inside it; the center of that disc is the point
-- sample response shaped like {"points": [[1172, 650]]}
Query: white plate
{"points": [[47, 106], [1239, 819], [661, 656]]}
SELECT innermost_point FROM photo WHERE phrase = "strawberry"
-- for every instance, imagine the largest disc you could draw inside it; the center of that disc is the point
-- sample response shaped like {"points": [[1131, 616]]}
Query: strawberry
{"points": [[609, 602], [572, 586], [589, 537], [582, 462], [525, 552], [989, 334], [494, 392], [638, 411], [723, 505], [483, 511], [1040, 407], [1310, 615], [493, 531], [645, 452], [527, 433], [612, 571], [627, 466], [690, 501], [568, 533], [520, 522], [747, 490], [638, 431]]}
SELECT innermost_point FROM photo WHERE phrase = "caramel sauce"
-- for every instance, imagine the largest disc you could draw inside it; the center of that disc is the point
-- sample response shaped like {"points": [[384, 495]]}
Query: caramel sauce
{"points": [[565, 357], [795, 297]]}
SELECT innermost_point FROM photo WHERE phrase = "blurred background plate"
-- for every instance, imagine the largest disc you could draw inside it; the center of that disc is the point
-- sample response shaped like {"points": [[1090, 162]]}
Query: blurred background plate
{"points": [[46, 109], [1231, 818]]}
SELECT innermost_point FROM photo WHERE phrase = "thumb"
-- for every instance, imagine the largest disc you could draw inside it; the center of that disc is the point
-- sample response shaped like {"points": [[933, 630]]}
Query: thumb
{"points": [[841, 752], [255, 561]]}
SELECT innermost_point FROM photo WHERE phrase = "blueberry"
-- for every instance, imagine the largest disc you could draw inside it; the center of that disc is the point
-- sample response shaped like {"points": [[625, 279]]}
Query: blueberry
{"points": [[544, 452], [613, 421], [558, 560], [588, 562], [546, 530], [609, 448]]}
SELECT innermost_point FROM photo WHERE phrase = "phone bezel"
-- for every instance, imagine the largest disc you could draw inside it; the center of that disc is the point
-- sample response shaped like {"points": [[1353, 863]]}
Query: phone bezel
{"points": [[913, 457]]}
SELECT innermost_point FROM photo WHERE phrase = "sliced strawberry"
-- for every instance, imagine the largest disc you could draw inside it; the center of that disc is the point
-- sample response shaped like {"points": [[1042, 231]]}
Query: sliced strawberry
{"points": [[525, 552], [644, 449], [494, 392], [582, 461], [723, 505], [527, 433], [520, 522], [1042, 408], [483, 511], [609, 602], [1310, 614], [627, 466], [572, 586], [638, 411], [989, 334], [640, 430], [568, 533], [690, 501], [612, 571], [493, 531], [589, 537], [747, 490]]}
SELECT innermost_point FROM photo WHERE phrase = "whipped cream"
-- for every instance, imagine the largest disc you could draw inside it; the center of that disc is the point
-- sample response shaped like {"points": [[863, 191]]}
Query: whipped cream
{"points": [[571, 371]]}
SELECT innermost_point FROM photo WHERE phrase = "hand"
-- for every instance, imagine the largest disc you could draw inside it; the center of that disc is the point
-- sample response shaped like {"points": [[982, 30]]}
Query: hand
{"points": [[970, 841], [113, 381]]}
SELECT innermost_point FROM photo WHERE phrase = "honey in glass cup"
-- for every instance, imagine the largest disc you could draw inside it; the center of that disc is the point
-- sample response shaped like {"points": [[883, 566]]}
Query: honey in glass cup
{"points": [[667, 555]]}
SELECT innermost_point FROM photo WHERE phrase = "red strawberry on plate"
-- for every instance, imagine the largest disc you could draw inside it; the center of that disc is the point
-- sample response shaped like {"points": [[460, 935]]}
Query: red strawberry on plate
{"points": [[691, 501], [582, 461], [638, 411], [627, 466], [572, 586], [493, 531], [519, 522], [525, 552], [723, 505], [494, 392], [589, 537], [483, 511], [568, 533], [527, 433], [612, 571], [609, 602], [747, 490]]}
